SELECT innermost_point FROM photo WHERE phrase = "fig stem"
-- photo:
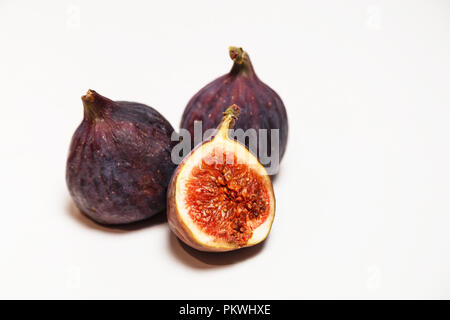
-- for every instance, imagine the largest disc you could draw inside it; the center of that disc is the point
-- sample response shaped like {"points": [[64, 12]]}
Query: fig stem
{"points": [[237, 54], [230, 116], [94, 105], [242, 64]]}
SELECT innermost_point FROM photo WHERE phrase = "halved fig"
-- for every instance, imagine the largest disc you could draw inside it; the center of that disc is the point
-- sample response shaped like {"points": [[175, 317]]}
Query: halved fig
{"points": [[220, 197]]}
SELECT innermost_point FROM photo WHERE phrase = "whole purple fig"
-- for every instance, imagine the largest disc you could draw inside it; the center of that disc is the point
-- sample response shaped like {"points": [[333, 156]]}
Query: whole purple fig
{"points": [[119, 163], [261, 107]]}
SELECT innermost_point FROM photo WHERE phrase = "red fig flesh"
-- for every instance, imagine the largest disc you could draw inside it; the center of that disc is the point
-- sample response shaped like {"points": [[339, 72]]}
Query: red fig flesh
{"points": [[220, 197]]}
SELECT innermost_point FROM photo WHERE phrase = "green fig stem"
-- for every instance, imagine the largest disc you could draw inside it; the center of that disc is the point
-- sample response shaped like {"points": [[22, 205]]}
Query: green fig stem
{"points": [[94, 105], [237, 54], [242, 64], [230, 115]]}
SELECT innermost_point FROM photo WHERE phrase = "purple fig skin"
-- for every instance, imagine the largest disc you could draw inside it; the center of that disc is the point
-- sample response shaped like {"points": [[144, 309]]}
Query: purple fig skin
{"points": [[119, 162], [261, 107]]}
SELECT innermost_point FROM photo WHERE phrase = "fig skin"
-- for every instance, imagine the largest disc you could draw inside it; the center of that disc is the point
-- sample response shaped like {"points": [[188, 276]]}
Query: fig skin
{"points": [[176, 223], [119, 162], [261, 107]]}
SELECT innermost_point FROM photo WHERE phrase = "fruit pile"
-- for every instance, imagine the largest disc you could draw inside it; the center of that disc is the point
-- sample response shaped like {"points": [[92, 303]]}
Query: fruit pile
{"points": [[121, 168]]}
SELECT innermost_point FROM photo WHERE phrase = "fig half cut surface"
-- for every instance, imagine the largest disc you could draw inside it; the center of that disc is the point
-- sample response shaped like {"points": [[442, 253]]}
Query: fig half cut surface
{"points": [[220, 197]]}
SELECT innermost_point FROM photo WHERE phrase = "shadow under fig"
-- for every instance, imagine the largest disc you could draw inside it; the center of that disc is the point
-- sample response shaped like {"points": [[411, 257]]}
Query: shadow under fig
{"points": [[187, 255], [81, 218], [208, 260]]}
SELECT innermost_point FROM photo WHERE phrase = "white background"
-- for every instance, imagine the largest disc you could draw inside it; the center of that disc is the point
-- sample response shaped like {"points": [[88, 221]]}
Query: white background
{"points": [[364, 190]]}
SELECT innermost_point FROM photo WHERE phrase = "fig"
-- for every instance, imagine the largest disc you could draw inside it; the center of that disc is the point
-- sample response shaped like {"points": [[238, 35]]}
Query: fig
{"points": [[261, 108], [119, 163], [220, 197]]}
